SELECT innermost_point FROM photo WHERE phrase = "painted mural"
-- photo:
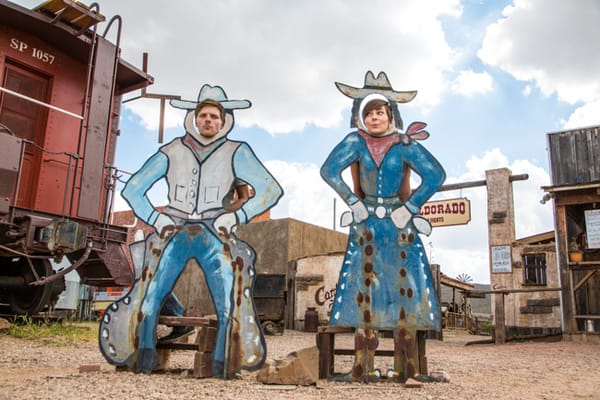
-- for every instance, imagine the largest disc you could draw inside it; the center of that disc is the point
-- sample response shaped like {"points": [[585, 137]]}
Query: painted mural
{"points": [[214, 183], [385, 282]]}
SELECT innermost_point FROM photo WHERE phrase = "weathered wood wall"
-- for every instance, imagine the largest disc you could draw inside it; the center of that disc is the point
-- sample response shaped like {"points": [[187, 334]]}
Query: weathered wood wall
{"points": [[574, 156]]}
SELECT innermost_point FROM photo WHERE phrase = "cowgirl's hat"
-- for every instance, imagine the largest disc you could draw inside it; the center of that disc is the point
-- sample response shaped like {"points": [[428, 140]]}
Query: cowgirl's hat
{"points": [[381, 85], [213, 93]]}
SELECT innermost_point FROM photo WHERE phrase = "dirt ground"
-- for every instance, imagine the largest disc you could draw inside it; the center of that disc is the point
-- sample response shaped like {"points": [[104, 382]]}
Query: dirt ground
{"points": [[524, 370]]}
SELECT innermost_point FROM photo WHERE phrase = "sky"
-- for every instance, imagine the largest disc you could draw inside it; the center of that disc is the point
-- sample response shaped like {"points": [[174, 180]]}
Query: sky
{"points": [[493, 78]]}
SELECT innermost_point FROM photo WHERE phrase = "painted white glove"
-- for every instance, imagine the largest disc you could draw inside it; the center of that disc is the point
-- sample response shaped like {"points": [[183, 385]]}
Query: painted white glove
{"points": [[401, 216], [422, 224], [357, 215], [226, 221], [162, 222], [359, 212], [346, 219]]}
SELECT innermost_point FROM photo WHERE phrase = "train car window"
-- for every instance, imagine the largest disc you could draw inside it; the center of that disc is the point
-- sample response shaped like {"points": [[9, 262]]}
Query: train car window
{"points": [[26, 120]]}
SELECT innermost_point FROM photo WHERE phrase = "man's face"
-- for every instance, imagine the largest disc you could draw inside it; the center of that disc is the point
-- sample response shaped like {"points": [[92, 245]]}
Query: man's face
{"points": [[209, 121]]}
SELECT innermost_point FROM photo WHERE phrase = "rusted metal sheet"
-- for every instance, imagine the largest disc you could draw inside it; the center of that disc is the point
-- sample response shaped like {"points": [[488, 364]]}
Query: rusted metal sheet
{"points": [[107, 267]]}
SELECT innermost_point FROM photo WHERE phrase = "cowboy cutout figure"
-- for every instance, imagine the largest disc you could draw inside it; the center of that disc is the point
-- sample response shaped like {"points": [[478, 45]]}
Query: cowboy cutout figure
{"points": [[208, 178], [385, 281]]}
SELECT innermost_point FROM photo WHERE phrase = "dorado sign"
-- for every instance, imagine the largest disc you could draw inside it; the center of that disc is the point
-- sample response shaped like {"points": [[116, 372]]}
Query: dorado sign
{"points": [[447, 212]]}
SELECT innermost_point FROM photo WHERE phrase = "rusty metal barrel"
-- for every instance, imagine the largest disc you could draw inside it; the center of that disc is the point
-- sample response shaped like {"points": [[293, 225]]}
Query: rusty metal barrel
{"points": [[311, 319]]}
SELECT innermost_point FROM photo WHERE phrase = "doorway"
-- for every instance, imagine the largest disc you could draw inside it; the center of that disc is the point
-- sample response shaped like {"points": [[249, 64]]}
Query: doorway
{"points": [[26, 120]]}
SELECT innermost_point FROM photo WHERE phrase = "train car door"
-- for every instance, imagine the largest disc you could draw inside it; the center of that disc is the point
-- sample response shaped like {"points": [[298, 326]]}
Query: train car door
{"points": [[26, 120]]}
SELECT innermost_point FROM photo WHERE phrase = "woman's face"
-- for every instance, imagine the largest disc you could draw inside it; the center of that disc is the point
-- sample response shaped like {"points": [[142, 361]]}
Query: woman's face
{"points": [[377, 121]]}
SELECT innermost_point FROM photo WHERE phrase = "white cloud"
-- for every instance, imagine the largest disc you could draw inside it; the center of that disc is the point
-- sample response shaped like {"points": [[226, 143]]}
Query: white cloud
{"points": [[158, 195], [492, 159], [286, 56], [531, 217], [464, 249], [119, 203], [586, 115], [456, 261], [306, 196], [469, 83], [553, 43], [148, 110]]}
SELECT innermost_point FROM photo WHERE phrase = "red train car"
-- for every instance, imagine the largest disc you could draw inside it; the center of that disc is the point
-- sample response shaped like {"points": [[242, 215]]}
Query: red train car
{"points": [[61, 85]]}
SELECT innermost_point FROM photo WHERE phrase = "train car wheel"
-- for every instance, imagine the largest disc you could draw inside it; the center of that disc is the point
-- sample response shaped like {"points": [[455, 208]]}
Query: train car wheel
{"points": [[269, 327], [29, 300]]}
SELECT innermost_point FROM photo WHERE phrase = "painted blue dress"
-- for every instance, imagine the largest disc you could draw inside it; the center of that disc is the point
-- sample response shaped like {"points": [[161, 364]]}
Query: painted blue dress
{"points": [[385, 281]]}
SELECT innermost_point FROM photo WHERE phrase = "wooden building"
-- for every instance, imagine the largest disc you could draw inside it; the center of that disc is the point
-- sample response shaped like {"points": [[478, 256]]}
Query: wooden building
{"points": [[574, 157], [523, 278], [534, 307]]}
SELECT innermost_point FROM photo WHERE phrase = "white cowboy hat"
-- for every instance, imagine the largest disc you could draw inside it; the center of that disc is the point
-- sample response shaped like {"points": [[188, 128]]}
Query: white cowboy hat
{"points": [[381, 85], [214, 93]]}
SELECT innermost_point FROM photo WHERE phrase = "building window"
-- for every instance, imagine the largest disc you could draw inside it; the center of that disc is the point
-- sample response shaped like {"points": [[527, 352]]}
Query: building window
{"points": [[535, 269]]}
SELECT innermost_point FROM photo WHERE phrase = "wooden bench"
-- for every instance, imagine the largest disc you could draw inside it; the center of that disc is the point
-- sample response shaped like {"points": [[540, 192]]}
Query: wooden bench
{"points": [[204, 344], [327, 350]]}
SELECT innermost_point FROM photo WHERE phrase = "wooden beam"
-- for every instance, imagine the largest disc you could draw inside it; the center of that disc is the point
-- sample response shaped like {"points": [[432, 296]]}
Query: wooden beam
{"points": [[584, 279], [187, 321], [500, 328], [455, 283], [587, 316], [507, 291], [483, 182], [568, 301]]}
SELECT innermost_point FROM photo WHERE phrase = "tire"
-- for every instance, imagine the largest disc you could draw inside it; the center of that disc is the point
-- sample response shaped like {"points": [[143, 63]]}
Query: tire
{"points": [[269, 327], [30, 300]]}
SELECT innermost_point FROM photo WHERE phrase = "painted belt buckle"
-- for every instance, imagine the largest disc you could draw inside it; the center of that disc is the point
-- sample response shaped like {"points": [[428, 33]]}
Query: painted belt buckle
{"points": [[380, 212]]}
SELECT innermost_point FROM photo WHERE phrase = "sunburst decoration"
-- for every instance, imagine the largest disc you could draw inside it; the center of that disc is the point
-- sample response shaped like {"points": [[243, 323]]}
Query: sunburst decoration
{"points": [[464, 277]]}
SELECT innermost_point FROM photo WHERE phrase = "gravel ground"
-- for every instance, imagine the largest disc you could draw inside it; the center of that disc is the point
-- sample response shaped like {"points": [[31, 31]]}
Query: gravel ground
{"points": [[527, 370]]}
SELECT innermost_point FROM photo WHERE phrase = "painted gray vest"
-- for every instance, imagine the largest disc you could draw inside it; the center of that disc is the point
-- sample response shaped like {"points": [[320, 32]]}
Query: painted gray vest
{"points": [[195, 187]]}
